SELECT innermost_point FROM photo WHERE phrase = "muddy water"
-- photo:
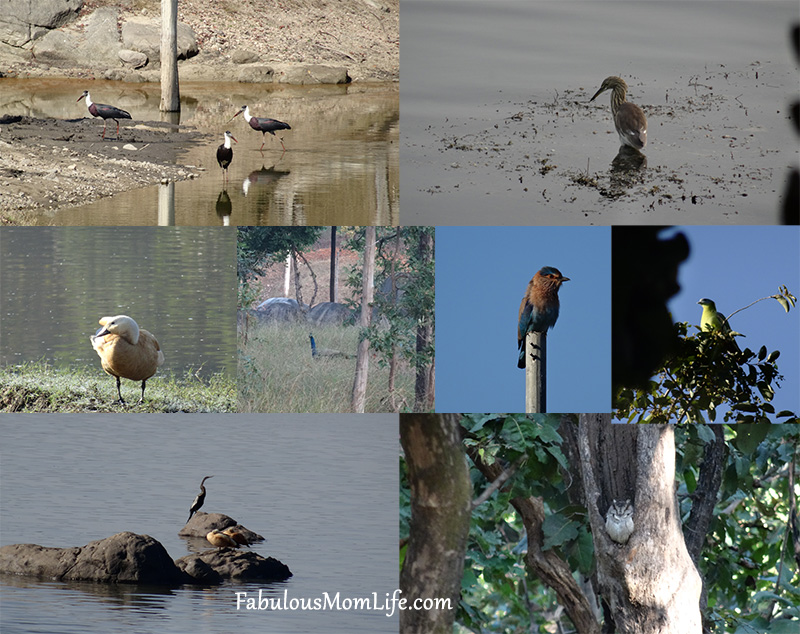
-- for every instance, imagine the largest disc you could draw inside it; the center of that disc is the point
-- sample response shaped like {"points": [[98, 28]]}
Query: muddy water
{"points": [[341, 163]]}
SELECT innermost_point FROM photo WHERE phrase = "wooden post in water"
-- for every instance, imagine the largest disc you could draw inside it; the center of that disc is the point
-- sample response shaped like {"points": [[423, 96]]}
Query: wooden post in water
{"points": [[536, 372], [170, 93]]}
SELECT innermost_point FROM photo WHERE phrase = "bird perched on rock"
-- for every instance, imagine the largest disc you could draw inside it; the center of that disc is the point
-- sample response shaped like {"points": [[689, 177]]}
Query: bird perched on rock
{"points": [[201, 497], [237, 536], [221, 540], [126, 351], [539, 308], [712, 319], [317, 353]]}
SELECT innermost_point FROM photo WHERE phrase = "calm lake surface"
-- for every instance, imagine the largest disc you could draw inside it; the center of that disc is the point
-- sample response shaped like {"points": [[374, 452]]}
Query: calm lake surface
{"points": [[341, 164], [177, 282], [322, 490], [498, 128]]}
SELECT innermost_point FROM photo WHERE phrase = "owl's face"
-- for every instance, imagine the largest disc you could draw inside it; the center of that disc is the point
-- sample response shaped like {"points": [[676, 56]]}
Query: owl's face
{"points": [[619, 521], [621, 510]]}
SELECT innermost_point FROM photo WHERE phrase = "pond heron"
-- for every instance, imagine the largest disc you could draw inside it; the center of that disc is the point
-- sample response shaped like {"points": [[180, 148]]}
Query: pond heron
{"points": [[629, 119]]}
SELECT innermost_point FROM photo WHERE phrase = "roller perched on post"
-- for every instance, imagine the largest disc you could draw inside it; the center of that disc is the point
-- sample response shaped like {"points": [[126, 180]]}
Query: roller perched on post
{"points": [[539, 308]]}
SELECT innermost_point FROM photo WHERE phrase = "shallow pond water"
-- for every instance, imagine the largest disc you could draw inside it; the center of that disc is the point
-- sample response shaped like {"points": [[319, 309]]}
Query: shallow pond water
{"points": [[340, 166]]}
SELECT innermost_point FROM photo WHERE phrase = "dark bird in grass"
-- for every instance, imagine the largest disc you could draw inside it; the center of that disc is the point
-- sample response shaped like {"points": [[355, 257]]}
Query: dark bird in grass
{"points": [[225, 154], [263, 125], [539, 308], [318, 353], [198, 501], [104, 111]]}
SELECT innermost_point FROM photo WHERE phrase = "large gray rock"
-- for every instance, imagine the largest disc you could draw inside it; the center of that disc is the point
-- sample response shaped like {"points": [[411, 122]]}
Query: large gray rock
{"points": [[145, 37], [331, 314], [102, 43], [135, 59], [255, 74], [201, 524], [24, 20], [59, 48], [97, 46], [216, 566], [311, 74], [280, 310], [121, 558]]}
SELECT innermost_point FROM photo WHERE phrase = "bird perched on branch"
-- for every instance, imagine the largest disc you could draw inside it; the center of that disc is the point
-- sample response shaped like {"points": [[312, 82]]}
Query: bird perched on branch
{"points": [[539, 308], [317, 353], [712, 319]]}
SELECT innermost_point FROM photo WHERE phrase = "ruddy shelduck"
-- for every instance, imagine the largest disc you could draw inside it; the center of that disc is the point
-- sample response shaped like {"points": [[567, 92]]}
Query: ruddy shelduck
{"points": [[237, 536], [221, 540], [126, 351]]}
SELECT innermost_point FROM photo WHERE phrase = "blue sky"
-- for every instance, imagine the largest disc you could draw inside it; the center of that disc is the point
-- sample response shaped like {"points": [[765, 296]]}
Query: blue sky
{"points": [[481, 276], [734, 266]]}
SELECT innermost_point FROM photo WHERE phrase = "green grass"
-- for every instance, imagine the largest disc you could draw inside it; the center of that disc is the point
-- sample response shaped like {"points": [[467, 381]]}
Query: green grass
{"points": [[40, 387], [277, 373]]}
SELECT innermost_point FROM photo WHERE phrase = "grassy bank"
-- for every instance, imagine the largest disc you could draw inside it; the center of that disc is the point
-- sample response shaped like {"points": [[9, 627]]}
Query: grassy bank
{"points": [[278, 374], [40, 387]]}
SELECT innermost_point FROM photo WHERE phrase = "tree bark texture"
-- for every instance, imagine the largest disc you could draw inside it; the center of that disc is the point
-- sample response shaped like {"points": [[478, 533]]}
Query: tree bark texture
{"points": [[441, 498], [650, 583], [170, 92], [422, 388], [359, 397]]}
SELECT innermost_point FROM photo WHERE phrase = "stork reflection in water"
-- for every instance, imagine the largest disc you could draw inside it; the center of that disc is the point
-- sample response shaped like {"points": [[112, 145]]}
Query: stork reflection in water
{"points": [[198, 501]]}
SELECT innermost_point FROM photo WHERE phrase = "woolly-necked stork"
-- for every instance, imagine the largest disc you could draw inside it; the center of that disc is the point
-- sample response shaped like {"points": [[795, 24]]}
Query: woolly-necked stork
{"points": [[102, 110], [263, 125], [225, 154]]}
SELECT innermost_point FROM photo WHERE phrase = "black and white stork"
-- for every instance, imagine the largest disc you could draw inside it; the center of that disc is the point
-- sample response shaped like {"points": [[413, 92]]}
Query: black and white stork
{"points": [[104, 111], [225, 154], [263, 125]]}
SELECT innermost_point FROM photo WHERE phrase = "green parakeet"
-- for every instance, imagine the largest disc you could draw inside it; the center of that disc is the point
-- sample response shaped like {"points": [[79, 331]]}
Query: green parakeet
{"points": [[712, 319]]}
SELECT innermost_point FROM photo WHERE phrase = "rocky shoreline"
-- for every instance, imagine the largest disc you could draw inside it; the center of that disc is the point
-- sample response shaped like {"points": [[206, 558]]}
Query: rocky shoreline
{"points": [[52, 164], [298, 43]]}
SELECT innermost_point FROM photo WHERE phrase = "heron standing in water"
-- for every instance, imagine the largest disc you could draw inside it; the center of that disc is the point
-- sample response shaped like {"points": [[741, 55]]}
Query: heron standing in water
{"points": [[198, 501]]}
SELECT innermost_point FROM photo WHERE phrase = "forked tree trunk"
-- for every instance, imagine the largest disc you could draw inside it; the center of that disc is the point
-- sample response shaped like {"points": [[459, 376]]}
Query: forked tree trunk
{"points": [[649, 584], [441, 506]]}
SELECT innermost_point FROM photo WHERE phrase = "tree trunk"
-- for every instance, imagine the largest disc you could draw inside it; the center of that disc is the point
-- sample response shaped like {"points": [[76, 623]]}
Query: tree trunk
{"points": [[334, 286], [170, 92], [441, 506], [359, 397], [649, 583], [422, 386]]}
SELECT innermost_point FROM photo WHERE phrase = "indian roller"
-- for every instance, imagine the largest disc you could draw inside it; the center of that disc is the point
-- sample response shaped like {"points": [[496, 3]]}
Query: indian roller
{"points": [[539, 308], [712, 319]]}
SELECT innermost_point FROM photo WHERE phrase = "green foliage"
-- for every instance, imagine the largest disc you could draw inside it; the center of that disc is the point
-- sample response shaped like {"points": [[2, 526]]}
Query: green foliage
{"points": [[747, 565], [707, 372], [499, 594], [258, 247], [411, 304]]}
